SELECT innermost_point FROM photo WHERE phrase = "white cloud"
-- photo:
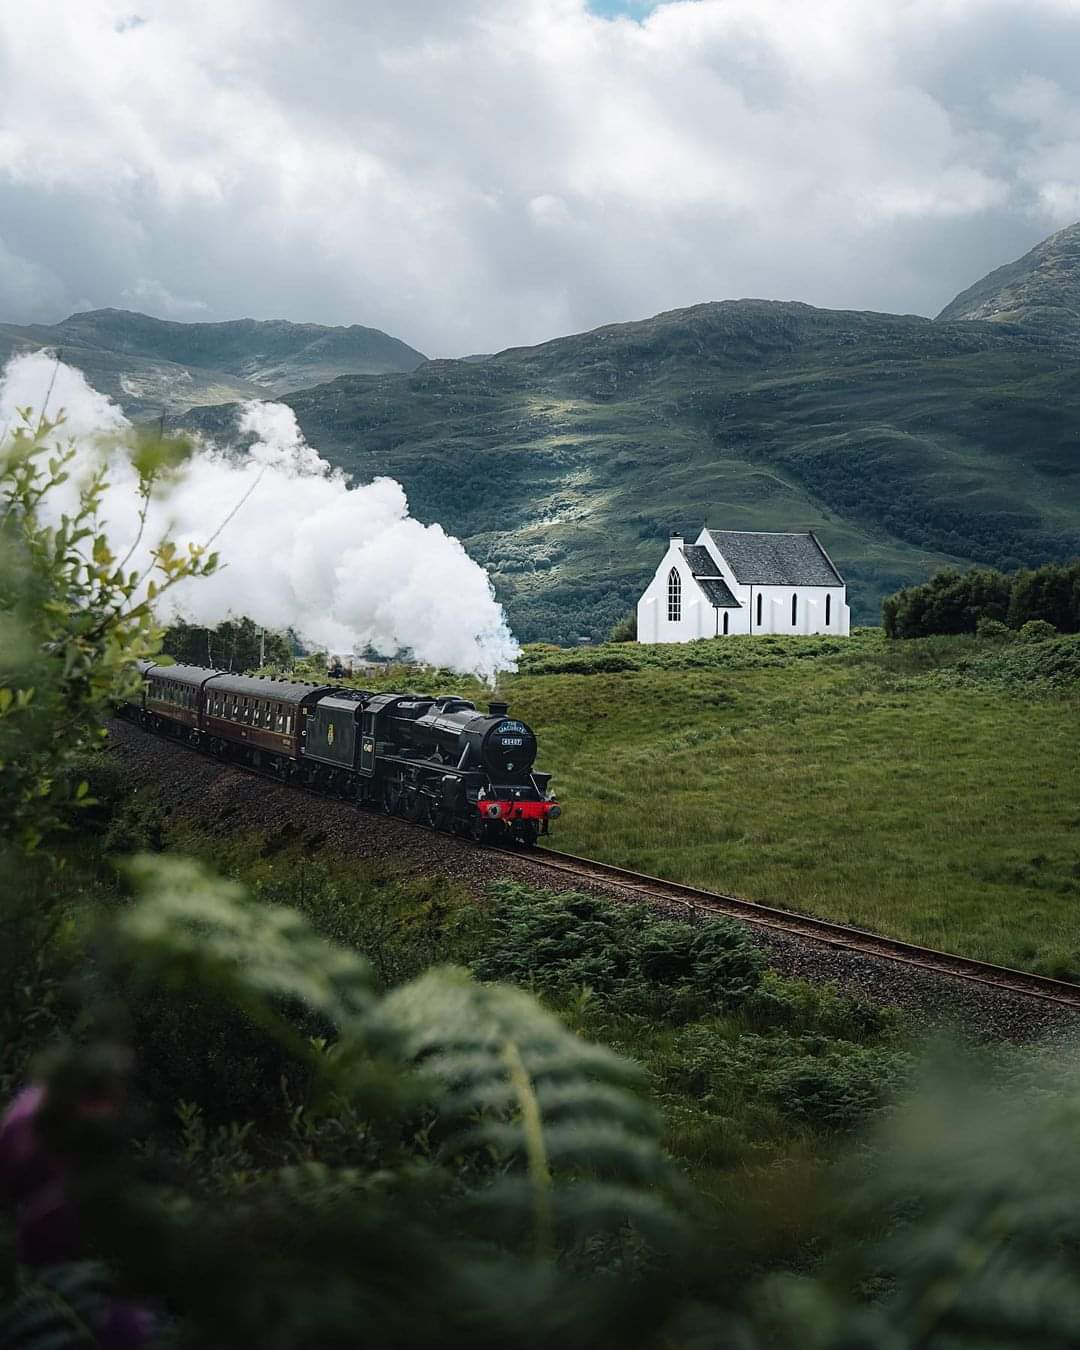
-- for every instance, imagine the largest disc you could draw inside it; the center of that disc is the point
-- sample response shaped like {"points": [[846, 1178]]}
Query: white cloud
{"points": [[498, 171]]}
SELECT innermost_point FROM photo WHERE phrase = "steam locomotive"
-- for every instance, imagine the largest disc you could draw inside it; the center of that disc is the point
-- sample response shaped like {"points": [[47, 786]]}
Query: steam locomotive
{"points": [[439, 761]]}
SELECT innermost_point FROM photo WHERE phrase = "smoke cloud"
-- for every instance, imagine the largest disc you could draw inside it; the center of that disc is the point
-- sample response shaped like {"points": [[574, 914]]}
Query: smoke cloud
{"points": [[343, 565]]}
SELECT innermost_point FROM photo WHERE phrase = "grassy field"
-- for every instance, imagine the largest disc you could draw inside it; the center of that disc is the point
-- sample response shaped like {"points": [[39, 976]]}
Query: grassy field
{"points": [[927, 790]]}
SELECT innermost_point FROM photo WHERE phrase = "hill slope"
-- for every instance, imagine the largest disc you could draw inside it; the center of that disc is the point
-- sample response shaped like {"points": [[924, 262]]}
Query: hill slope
{"points": [[146, 363], [904, 442]]}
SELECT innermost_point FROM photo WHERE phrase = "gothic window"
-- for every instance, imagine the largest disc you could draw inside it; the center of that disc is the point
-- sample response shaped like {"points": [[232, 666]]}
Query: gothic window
{"points": [[794, 610], [674, 596], [725, 622], [759, 609], [828, 609]]}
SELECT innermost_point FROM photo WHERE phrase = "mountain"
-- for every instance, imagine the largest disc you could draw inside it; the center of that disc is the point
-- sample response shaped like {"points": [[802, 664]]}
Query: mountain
{"points": [[146, 364], [906, 443], [1040, 291]]}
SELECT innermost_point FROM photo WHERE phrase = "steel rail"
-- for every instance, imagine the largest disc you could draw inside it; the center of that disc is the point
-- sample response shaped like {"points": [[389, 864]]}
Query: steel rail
{"points": [[701, 901], [843, 936]]}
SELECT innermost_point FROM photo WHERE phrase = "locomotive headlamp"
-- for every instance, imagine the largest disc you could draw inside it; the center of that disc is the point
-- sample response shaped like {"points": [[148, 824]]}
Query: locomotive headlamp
{"points": [[554, 811], [492, 810]]}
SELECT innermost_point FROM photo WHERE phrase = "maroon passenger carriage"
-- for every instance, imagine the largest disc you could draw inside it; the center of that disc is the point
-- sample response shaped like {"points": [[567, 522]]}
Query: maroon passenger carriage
{"points": [[440, 760]]}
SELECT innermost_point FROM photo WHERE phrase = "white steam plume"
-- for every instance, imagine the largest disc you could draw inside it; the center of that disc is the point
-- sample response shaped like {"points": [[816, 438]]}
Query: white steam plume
{"points": [[344, 566]]}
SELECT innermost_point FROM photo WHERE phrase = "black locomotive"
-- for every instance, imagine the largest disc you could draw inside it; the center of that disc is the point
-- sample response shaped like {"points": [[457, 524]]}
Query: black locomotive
{"points": [[440, 761]]}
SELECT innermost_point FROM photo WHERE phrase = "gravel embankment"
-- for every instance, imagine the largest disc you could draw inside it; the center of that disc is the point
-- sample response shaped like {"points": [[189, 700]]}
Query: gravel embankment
{"points": [[223, 799]]}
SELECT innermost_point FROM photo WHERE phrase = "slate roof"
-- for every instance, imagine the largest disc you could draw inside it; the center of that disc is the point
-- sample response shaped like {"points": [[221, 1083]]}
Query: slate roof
{"points": [[719, 595], [707, 575], [776, 559]]}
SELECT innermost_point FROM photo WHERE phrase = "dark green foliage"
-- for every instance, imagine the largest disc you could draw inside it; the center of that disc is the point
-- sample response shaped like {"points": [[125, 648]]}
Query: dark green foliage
{"points": [[1050, 594], [449, 1142], [824, 1081], [237, 644], [625, 630], [961, 602], [56, 1307], [950, 602], [625, 955]]}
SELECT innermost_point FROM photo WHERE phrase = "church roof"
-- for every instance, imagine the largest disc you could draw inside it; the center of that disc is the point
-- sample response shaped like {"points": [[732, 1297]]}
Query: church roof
{"points": [[759, 559], [707, 575]]}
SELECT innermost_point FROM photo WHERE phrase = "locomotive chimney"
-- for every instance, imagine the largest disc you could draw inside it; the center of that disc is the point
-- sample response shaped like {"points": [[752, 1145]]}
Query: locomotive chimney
{"points": [[498, 709]]}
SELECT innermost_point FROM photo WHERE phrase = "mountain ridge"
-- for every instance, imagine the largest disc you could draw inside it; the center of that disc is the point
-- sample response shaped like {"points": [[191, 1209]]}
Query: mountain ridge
{"points": [[145, 363], [906, 443]]}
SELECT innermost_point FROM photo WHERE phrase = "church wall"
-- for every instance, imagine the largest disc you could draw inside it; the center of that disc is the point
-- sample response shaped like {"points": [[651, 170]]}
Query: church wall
{"points": [[699, 618]]}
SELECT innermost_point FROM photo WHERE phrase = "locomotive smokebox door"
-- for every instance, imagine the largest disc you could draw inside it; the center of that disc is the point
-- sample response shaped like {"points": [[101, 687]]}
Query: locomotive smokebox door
{"points": [[331, 732]]}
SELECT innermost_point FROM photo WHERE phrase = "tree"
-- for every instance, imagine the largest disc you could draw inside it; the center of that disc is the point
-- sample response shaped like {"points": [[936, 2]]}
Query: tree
{"points": [[235, 645], [74, 618]]}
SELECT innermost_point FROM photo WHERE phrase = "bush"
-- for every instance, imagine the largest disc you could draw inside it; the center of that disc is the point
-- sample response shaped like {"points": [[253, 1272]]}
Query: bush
{"points": [[1037, 630], [959, 602], [992, 628], [828, 1083], [625, 630], [837, 1091], [625, 955]]}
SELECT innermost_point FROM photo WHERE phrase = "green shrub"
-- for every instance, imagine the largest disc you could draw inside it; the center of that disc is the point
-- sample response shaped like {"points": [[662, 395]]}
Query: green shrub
{"points": [[820, 1080], [625, 955], [992, 628], [834, 1090], [1037, 630], [625, 630]]}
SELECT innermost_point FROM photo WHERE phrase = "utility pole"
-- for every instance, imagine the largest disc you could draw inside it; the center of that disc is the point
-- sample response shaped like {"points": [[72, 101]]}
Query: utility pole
{"points": [[262, 647]]}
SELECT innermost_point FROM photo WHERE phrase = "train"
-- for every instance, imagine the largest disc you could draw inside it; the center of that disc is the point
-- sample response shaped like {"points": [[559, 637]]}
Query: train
{"points": [[438, 761]]}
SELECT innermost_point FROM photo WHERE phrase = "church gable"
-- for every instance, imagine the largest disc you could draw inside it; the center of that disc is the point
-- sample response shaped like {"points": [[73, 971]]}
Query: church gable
{"points": [[707, 575]]}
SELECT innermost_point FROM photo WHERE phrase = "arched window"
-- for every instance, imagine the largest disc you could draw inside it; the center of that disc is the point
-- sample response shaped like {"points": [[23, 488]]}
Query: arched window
{"points": [[828, 609], [725, 622], [674, 596], [759, 609], [794, 610]]}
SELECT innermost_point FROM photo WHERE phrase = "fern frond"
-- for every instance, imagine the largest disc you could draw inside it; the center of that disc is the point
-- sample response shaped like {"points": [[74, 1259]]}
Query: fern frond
{"points": [[56, 1307], [195, 930], [518, 1084]]}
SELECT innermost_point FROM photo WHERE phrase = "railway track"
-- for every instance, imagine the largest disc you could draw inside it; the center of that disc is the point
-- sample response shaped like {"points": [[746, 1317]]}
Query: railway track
{"points": [[700, 902], [842, 936]]}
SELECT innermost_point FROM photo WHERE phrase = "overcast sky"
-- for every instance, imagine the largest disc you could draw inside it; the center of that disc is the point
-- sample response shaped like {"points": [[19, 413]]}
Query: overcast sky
{"points": [[474, 174]]}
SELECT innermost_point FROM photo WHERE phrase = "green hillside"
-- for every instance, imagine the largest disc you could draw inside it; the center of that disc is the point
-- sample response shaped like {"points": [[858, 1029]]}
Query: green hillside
{"points": [[901, 441], [905, 442], [145, 363]]}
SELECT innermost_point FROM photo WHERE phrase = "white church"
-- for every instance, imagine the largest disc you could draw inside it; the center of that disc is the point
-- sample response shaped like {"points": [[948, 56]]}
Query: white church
{"points": [[738, 581]]}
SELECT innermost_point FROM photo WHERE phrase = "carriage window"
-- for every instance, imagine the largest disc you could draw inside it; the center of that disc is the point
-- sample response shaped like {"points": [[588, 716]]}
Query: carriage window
{"points": [[794, 609], [759, 610], [280, 718], [674, 596], [288, 724], [828, 609]]}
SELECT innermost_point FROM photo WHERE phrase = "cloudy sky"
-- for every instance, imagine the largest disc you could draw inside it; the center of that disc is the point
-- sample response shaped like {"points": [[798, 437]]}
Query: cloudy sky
{"points": [[473, 174]]}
